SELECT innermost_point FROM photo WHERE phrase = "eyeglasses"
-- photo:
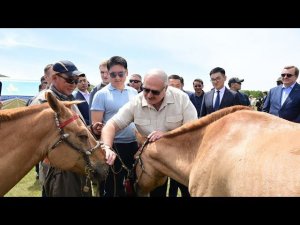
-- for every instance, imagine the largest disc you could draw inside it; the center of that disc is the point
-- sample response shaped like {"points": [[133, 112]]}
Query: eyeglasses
{"points": [[216, 79], [115, 74], [134, 81], [68, 80], [288, 75], [154, 92]]}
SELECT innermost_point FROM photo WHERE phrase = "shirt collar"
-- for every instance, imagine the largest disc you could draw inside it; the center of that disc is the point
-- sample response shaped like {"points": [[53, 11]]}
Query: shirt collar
{"points": [[221, 90], [290, 87]]}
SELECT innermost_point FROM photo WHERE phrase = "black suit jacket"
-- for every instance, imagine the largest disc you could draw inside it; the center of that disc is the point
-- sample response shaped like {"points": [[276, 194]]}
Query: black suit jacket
{"points": [[230, 98], [83, 107]]}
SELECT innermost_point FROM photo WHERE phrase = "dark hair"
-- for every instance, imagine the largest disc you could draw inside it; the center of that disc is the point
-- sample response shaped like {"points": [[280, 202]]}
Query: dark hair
{"points": [[217, 70], [116, 60], [198, 80], [42, 79], [176, 77]]}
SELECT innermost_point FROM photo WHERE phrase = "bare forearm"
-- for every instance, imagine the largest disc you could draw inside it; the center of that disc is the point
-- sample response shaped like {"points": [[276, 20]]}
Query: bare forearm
{"points": [[109, 132]]}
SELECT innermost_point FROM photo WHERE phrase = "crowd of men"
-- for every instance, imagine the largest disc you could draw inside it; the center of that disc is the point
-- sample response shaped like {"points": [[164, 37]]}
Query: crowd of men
{"points": [[152, 105]]}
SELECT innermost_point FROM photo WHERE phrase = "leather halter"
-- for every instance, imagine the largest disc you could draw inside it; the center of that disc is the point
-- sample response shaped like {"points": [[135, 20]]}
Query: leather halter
{"points": [[63, 138]]}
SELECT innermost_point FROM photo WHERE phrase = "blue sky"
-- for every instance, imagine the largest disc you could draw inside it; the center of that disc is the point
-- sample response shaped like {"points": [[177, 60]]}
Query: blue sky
{"points": [[256, 55]]}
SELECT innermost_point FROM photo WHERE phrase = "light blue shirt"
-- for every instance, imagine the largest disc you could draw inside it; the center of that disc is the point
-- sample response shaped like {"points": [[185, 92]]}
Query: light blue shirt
{"points": [[110, 100], [285, 92]]}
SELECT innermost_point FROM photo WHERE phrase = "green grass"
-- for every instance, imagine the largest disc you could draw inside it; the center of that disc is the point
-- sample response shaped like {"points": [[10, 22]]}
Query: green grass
{"points": [[27, 187], [15, 103]]}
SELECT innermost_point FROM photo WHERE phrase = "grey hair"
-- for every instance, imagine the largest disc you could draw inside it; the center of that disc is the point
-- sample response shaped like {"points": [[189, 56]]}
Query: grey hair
{"points": [[159, 73]]}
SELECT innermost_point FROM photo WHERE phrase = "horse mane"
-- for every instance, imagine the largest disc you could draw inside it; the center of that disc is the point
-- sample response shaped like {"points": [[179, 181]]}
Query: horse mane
{"points": [[204, 121], [15, 113]]}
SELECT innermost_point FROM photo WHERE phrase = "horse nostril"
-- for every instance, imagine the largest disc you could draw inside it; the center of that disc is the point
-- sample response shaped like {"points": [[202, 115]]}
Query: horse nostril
{"points": [[101, 171]]}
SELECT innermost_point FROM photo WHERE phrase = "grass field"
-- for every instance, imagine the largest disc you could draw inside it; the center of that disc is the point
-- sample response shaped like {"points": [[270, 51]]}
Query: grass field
{"points": [[27, 187]]}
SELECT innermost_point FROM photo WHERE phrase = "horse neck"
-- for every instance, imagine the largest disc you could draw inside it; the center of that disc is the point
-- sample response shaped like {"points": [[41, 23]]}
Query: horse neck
{"points": [[174, 156], [24, 142]]}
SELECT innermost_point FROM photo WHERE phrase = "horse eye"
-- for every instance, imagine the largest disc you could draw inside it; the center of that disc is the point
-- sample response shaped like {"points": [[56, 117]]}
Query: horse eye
{"points": [[83, 137]]}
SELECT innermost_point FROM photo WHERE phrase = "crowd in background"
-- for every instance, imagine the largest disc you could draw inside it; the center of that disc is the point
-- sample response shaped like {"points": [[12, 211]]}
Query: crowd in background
{"points": [[153, 105]]}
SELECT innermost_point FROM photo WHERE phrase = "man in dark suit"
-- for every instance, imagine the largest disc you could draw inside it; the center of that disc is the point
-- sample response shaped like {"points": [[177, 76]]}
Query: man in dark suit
{"points": [[219, 97], [284, 100], [235, 85], [83, 94]]}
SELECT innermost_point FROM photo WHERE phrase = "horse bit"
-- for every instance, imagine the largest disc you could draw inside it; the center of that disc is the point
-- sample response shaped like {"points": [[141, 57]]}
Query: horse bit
{"points": [[63, 138]]}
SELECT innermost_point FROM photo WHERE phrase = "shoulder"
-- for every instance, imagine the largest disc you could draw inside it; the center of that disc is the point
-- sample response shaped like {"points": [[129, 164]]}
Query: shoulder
{"points": [[40, 97], [131, 89], [230, 91]]}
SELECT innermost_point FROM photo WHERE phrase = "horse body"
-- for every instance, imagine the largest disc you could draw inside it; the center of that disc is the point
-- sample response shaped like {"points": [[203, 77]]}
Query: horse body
{"points": [[232, 152], [27, 135]]}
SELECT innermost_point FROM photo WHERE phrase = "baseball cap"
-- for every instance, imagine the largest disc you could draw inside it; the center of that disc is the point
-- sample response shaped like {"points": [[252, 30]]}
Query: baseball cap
{"points": [[66, 67], [235, 80], [279, 79]]}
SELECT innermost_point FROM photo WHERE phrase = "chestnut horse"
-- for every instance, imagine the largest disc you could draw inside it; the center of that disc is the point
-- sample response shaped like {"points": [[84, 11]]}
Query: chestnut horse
{"points": [[231, 152], [29, 134]]}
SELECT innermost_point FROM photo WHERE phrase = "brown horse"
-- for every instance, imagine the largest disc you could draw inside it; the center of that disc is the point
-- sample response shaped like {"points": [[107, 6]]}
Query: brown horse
{"points": [[232, 152], [29, 134]]}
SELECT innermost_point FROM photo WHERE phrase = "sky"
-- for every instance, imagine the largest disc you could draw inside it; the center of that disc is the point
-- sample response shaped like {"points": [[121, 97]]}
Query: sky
{"points": [[255, 55]]}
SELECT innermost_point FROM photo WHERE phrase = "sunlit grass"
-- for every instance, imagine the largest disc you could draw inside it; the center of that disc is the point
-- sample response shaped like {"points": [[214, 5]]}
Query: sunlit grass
{"points": [[27, 187]]}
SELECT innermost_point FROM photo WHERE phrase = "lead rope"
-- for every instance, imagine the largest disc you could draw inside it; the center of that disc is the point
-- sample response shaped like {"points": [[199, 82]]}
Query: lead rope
{"points": [[122, 166]]}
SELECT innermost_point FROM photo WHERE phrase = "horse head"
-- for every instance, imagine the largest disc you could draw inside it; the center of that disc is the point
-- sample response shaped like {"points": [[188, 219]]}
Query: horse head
{"points": [[147, 177], [75, 148]]}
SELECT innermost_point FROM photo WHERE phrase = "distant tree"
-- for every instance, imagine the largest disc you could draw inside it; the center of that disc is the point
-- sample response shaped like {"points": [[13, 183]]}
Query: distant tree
{"points": [[255, 94]]}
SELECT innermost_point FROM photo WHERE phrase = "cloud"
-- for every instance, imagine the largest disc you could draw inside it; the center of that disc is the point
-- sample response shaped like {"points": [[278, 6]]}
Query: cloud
{"points": [[11, 89]]}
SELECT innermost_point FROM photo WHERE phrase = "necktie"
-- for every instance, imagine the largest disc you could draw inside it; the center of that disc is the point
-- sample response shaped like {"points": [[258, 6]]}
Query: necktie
{"points": [[217, 103]]}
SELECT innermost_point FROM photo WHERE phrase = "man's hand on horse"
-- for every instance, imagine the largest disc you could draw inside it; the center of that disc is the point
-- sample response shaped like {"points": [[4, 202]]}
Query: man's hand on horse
{"points": [[97, 128], [110, 155], [155, 135]]}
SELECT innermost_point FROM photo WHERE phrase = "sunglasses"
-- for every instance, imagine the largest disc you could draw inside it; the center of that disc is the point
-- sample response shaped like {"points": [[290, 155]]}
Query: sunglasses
{"points": [[287, 75], [134, 81], [69, 80], [114, 74], [154, 92]]}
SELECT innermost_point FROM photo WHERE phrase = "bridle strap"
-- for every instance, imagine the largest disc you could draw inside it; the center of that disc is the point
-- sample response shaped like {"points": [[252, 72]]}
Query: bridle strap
{"points": [[73, 118]]}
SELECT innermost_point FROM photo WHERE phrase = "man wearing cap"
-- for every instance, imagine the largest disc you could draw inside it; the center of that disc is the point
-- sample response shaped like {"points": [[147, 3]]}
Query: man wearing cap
{"points": [[59, 183], [235, 85], [279, 81], [284, 100], [219, 97]]}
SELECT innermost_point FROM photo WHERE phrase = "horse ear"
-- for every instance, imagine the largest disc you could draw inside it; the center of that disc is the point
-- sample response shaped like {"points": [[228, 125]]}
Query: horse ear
{"points": [[53, 102], [140, 138]]}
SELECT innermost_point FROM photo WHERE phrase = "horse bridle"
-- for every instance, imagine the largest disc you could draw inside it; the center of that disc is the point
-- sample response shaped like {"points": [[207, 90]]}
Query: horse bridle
{"points": [[139, 161], [64, 138]]}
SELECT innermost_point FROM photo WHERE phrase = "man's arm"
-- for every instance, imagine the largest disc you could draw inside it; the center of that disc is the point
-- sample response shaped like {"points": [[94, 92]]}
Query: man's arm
{"points": [[109, 132]]}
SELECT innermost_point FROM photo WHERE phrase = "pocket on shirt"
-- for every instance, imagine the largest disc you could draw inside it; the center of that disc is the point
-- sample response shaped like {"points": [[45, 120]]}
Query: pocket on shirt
{"points": [[142, 122], [173, 122]]}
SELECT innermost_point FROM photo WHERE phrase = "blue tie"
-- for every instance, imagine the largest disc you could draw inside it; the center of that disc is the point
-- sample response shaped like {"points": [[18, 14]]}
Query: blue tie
{"points": [[217, 103]]}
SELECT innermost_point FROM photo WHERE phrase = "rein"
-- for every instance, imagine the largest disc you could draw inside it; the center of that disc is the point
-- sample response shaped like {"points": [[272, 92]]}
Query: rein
{"points": [[63, 138], [140, 161]]}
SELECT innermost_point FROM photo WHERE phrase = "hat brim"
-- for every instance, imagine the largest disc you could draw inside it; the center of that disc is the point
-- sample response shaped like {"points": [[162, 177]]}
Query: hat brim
{"points": [[242, 80], [74, 73]]}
